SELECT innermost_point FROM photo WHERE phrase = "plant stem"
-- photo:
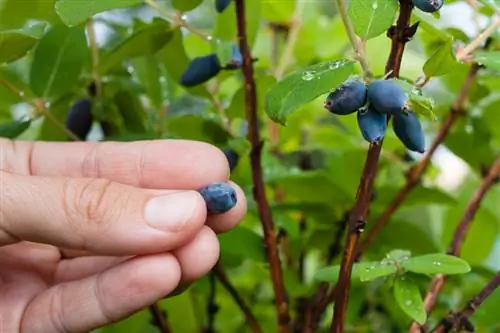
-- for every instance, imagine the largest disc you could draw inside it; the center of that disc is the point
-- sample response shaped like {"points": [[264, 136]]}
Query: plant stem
{"points": [[159, 318], [219, 272], [356, 43], [357, 216], [94, 49], [465, 52], [176, 19], [415, 174], [460, 235], [257, 175], [457, 319]]}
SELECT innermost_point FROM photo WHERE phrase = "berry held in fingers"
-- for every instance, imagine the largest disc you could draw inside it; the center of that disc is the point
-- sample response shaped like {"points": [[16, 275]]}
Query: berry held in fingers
{"points": [[387, 96], [347, 98], [219, 197], [428, 6], [200, 70], [408, 129], [79, 119], [372, 124]]}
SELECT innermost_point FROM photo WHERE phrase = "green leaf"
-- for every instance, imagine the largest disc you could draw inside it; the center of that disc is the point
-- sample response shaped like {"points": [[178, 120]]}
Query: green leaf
{"points": [[242, 243], [226, 27], [223, 50], [364, 271], [16, 43], [303, 86], [149, 74], [58, 61], [420, 103], [186, 5], [437, 264], [13, 129], [146, 40], [59, 110], [442, 61], [130, 107], [489, 59], [409, 298], [74, 12], [371, 18]]}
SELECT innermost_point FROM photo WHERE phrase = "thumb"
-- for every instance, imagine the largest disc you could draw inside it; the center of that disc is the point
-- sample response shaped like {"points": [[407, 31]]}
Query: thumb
{"points": [[97, 215]]}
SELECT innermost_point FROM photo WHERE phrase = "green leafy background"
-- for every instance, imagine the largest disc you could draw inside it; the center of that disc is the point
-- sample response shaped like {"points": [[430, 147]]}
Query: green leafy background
{"points": [[46, 59]]}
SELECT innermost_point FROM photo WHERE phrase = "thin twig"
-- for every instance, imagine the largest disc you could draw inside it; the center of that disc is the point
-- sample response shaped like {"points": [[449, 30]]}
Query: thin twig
{"points": [[245, 309], [259, 192], [357, 216], [464, 53], [456, 320], [415, 174], [160, 318], [459, 236], [212, 307], [94, 49]]}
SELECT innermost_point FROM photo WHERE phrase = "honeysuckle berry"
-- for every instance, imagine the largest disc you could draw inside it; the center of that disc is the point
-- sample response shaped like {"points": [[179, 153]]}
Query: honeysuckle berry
{"points": [[200, 70], [219, 197], [221, 5], [79, 120], [372, 124], [387, 96], [232, 158], [347, 98], [409, 130], [428, 6]]}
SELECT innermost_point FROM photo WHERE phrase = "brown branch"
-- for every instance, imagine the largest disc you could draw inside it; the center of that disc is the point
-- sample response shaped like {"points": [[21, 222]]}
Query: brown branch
{"points": [[418, 170], [245, 309], [160, 318], [212, 307], [459, 236], [460, 319], [400, 35], [257, 175]]}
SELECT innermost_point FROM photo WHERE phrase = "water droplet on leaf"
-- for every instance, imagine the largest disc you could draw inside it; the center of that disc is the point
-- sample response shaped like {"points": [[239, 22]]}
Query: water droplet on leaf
{"points": [[308, 75]]}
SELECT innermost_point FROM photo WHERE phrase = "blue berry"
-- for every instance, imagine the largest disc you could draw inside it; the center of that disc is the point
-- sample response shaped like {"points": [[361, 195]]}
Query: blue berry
{"points": [[221, 5], [79, 119], [220, 197], [236, 59], [200, 70], [408, 129], [232, 158], [372, 124], [387, 96], [347, 98], [428, 6]]}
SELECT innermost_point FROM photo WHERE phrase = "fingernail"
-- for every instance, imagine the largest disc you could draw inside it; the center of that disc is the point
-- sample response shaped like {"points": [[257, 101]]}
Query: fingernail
{"points": [[171, 212]]}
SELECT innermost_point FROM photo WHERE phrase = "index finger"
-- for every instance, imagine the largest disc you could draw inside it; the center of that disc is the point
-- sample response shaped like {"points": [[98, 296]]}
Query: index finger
{"points": [[157, 164]]}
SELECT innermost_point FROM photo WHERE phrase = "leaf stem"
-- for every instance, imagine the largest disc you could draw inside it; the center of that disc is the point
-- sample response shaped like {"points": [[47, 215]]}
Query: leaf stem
{"points": [[259, 191], [159, 318], [459, 236], [464, 53], [356, 43]]}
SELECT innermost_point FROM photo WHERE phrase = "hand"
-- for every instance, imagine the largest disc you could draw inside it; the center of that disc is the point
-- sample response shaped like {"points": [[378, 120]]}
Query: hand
{"points": [[91, 233]]}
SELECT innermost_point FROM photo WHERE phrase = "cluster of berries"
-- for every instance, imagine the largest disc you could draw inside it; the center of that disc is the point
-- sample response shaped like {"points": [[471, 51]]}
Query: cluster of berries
{"points": [[373, 104]]}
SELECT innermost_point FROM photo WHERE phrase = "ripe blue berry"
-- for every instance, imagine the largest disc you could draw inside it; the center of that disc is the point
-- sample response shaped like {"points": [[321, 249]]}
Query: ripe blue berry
{"points": [[219, 197], [347, 98], [372, 124], [232, 158], [221, 5], [428, 6], [387, 96], [236, 59], [408, 129], [79, 119], [200, 70]]}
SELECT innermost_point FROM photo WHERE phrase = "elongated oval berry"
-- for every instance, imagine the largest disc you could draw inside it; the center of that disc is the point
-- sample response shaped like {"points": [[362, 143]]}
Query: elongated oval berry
{"points": [[408, 129], [387, 96], [232, 158], [200, 70], [236, 59], [79, 119], [428, 6], [372, 124], [347, 98], [219, 197], [221, 5]]}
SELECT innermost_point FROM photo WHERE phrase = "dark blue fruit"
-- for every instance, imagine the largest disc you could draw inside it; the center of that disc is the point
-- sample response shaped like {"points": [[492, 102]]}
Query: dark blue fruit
{"points": [[347, 98], [232, 158], [220, 197], [79, 119], [428, 6], [200, 70], [387, 96], [372, 124], [236, 59], [221, 5], [408, 129]]}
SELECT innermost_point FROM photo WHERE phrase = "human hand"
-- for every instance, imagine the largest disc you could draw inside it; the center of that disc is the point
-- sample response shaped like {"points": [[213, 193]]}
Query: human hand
{"points": [[91, 233]]}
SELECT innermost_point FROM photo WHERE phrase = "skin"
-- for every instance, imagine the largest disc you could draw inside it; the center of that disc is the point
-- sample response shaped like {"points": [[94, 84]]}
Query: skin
{"points": [[82, 245]]}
